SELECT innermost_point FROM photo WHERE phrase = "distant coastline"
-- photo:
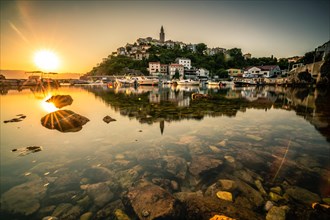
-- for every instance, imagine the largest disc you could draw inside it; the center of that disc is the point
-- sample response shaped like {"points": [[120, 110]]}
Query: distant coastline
{"points": [[21, 74]]}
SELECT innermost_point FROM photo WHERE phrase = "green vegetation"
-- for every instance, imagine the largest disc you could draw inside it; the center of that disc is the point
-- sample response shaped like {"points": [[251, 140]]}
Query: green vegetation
{"points": [[217, 64]]}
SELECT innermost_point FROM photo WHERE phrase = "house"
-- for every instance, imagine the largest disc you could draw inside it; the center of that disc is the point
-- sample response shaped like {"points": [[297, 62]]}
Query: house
{"points": [[186, 62], [163, 69], [235, 72], [247, 56], [154, 68], [270, 71], [213, 51], [175, 66], [140, 55], [262, 71], [202, 72], [190, 73], [121, 51]]}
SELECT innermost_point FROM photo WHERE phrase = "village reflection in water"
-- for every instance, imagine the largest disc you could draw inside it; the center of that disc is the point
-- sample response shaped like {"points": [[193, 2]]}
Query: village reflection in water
{"points": [[176, 102], [117, 153]]}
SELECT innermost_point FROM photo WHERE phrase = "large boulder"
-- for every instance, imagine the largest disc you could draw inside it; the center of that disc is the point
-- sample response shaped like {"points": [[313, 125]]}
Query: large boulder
{"points": [[176, 166], [64, 121], [302, 195], [150, 201], [25, 198], [197, 207], [100, 193]]}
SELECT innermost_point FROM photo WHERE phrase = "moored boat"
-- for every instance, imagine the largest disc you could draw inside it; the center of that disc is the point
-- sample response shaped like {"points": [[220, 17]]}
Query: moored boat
{"points": [[188, 82], [141, 80]]}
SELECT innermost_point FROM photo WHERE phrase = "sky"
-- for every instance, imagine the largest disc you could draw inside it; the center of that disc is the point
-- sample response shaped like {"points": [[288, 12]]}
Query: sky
{"points": [[81, 33]]}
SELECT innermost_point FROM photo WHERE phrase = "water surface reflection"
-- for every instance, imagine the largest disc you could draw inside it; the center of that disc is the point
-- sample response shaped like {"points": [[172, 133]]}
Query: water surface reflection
{"points": [[262, 151]]}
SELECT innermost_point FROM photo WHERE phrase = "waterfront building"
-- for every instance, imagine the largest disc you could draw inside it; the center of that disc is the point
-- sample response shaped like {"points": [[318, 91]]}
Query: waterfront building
{"points": [[154, 68], [262, 71], [235, 72], [173, 67], [163, 69], [186, 62]]}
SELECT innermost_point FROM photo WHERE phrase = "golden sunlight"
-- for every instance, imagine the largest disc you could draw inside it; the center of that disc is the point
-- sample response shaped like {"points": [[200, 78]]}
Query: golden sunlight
{"points": [[46, 60], [48, 106]]}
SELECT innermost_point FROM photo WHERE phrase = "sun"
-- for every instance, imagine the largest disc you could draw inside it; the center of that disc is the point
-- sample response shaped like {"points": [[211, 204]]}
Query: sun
{"points": [[46, 60]]}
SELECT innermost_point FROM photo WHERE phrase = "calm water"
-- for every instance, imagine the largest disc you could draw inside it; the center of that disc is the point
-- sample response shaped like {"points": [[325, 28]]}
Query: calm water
{"points": [[280, 136]]}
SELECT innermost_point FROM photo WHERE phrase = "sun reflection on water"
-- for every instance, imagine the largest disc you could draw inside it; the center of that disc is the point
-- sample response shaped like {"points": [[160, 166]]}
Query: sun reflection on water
{"points": [[48, 106]]}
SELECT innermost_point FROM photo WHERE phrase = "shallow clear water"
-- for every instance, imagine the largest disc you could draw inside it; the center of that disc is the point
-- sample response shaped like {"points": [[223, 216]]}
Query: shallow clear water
{"points": [[281, 135]]}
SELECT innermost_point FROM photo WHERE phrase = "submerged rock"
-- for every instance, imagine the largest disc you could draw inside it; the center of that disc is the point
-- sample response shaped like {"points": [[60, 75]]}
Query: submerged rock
{"points": [[260, 187], [60, 101], [221, 217], [268, 206], [64, 121], [100, 193], [197, 207], [250, 193], [86, 216], [275, 197], [277, 213], [121, 215], [203, 163], [176, 166], [222, 184], [225, 195], [302, 195], [25, 198], [23, 151], [151, 201]]}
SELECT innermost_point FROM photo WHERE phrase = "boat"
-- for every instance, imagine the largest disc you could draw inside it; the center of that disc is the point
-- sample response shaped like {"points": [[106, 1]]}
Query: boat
{"points": [[145, 81], [226, 83], [125, 81], [213, 83], [245, 82], [188, 82]]}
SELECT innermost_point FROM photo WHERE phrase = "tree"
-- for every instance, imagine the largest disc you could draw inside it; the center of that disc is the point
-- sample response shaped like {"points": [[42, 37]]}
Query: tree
{"points": [[176, 75], [236, 59], [200, 48], [222, 73]]}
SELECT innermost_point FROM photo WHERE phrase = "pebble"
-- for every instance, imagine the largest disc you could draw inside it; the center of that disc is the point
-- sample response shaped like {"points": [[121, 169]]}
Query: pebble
{"points": [[268, 205], [225, 195], [145, 213], [230, 159]]}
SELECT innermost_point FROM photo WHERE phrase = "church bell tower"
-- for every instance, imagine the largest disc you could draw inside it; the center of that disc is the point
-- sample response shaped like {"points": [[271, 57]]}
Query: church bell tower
{"points": [[162, 35]]}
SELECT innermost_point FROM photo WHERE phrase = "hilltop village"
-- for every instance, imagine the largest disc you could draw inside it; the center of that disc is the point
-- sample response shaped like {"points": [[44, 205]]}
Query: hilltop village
{"points": [[167, 59]]}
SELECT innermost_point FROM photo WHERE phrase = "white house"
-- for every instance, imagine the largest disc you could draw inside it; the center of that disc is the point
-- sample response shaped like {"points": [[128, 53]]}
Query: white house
{"points": [[262, 71], [270, 71], [186, 62], [252, 71], [203, 72]]}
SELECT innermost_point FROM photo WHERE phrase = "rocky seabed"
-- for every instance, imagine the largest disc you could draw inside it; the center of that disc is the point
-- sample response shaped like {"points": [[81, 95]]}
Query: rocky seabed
{"points": [[186, 179]]}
